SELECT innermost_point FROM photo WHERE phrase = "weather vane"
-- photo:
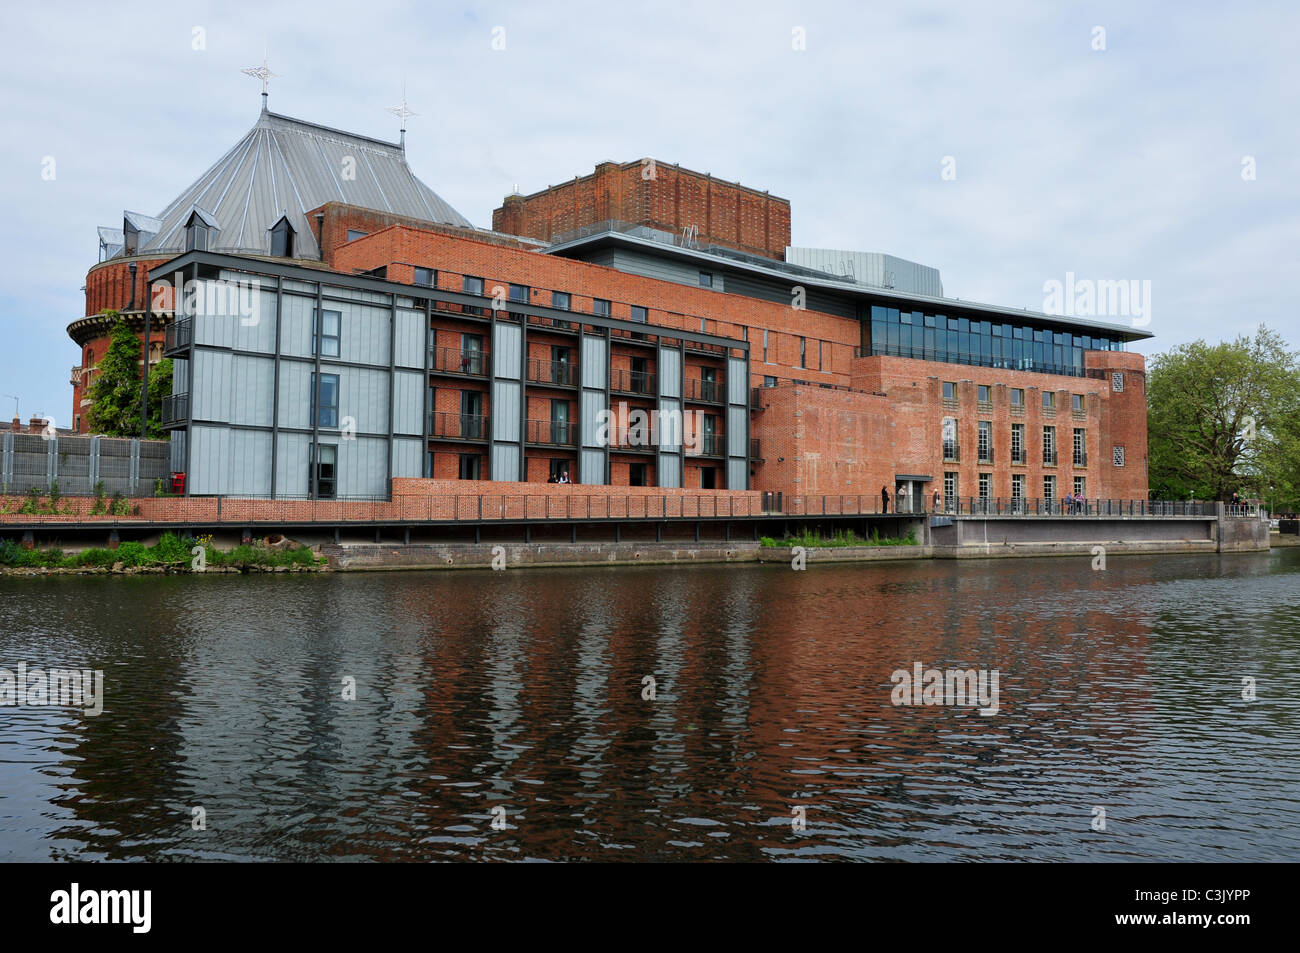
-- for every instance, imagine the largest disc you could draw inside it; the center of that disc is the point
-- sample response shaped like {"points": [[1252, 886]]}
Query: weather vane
{"points": [[262, 72], [401, 112]]}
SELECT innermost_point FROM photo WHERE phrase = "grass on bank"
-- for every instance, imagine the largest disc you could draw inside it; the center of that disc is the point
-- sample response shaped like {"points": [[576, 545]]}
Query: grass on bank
{"points": [[170, 551], [844, 537]]}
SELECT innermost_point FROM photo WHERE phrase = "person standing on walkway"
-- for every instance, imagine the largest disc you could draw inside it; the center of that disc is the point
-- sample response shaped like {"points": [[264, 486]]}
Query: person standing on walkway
{"points": [[936, 501], [884, 499]]}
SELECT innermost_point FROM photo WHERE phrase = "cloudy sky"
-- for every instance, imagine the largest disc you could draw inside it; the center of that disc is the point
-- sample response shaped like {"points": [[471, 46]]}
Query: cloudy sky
{"points": [[1123, 162]]}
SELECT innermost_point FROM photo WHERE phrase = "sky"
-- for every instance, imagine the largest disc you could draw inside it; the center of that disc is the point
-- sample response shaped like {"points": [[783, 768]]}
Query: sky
{"points": [[1007, 144]]}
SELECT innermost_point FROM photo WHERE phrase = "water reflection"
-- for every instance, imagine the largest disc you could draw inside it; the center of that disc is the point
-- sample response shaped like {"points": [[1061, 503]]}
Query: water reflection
{"points": [[523, 690]]}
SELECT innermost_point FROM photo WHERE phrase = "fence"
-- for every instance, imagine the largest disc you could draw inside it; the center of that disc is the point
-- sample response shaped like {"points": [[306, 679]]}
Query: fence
{"points": [[78, 463]]}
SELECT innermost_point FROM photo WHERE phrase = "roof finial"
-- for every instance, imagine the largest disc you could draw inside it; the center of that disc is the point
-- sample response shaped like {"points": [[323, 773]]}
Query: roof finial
{"points": [[401, 112], [263, 73]]}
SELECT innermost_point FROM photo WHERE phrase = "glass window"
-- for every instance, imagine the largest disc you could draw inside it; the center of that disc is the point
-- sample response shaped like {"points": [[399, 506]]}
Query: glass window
{"points": [[472, 285], [706, 279], [560, 299], [949, 390], [1077, 400], [326, 334], [471, 466], [769, 381], [1049, 400], [1017, 397], [640, 315], [985, 393], [600, 306], [1017, 443], [328, 402], [986, 441], [355, 233], [324, 470], [519, 293], [425, 277]]}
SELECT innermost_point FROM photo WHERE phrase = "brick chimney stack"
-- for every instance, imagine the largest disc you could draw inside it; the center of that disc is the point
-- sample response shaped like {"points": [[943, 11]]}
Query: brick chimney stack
{"points": [[17, 425], [36, 424]]}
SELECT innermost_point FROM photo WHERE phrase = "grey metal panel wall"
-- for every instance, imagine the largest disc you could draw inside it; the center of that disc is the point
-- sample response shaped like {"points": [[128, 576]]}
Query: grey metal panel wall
{"points": [[209, 460], [410, 335], [408, 457], [362, 467], [364, 332], [408, 403], [291, 464], [249, 463], [670, 372], [363, 396], [670, 470], [295, 333], [506, 353], [593, 467], [505, 460], [177, 450], [180, 375], [737, 474], [737, 381], [654, 266], [594, 362], [295, 396], [737, 417], [505, 413], [213, 383], [593, 402], [782, 292], [256, 332], [253, 380]]}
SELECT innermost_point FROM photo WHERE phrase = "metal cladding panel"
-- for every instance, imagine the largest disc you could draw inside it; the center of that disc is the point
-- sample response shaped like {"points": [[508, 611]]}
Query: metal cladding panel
{"points": [[251, 393], [363, 466], [506, 349], [737, 381], [180, 375], [363, 332], [363, 396], [505, 412], [253, 327], [408, 458], [670, 372], [295, 332], [737, 422], [670, 470], [593, 402], [249, 463], [737, 474], [213, 384], [671, 431], [410, 337], [594, 362], [176, 449], [593, 467], [505, 462], [292, 464], [209, 461], [295, 394], [408, 403]]}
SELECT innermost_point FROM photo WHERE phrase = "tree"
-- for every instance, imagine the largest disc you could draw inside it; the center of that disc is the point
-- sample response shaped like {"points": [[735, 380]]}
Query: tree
{"points": [[115, 392], [1225, 418]]}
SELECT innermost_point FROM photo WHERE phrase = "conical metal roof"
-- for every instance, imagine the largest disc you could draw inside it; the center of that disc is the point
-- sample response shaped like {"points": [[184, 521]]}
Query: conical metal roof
{"points": [[286, 166]]}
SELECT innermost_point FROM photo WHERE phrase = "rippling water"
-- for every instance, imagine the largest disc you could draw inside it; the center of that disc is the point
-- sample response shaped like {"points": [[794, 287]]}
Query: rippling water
{"points": [[522, 690]]}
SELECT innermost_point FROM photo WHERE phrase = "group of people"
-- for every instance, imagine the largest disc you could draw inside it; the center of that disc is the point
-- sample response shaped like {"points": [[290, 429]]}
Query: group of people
{"points": [[561, 477], [1073, 504]]}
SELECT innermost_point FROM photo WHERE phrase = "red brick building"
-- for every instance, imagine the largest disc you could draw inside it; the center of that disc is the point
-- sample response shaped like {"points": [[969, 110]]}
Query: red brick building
{"points": [[787, 378]]}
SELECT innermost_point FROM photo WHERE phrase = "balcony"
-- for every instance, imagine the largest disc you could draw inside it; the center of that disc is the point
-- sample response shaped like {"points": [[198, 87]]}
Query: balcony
{"points": [[951, 452], [1049, 458], [1018, 455], [704, 391], [453, 426], [986, 455], [175, 409], [461, 361], [755, 452], [178, 337], [551, 433], [710, 445], [756, 398], [553, 373], [1080, 458], [623, 381]]}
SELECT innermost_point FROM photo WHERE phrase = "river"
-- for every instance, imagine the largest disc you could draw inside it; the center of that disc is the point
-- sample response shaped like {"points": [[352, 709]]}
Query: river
{"points": [[507, 715]]}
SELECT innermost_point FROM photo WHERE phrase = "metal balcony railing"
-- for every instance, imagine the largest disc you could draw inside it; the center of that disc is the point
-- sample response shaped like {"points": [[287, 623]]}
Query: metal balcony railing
{"points": [[556, 373], [458, 426], [951, 452], [711, 444], [175, 409], [455, 360], [631, 382], [178, 336], [704, 390], [1018, 455], [1049, 458], [551, 432], [755, 449], [1081, 458]]}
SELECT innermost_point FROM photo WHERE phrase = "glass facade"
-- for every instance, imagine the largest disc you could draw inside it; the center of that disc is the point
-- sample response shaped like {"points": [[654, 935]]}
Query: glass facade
{"points": [[1020, 347]]}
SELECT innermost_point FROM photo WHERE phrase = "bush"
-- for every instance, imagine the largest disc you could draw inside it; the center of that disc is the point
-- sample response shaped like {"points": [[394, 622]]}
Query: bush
{"points": [[172, 549], [135, 554], [32, 504], [54, 496], [120, 505]]}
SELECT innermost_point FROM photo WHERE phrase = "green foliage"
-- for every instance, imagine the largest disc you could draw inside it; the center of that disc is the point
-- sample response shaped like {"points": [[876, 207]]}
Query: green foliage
{"points": [[1224, 418], [32, 504], [170, 550], [115, 391], [54, 496], [120, 505], [840, 538], [766, 541]]}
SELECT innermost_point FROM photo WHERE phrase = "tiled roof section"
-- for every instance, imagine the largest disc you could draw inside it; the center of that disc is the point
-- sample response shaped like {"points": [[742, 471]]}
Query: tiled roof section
{"points": [[285, 166]]}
